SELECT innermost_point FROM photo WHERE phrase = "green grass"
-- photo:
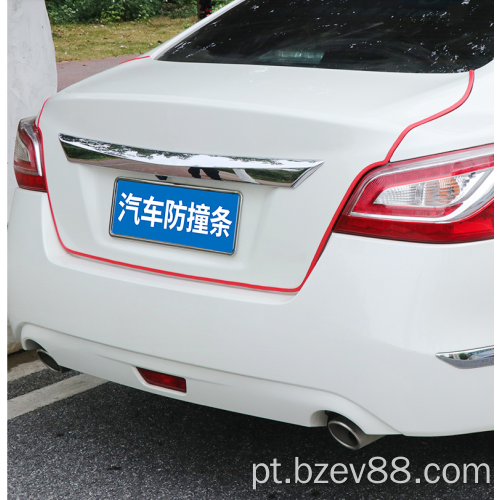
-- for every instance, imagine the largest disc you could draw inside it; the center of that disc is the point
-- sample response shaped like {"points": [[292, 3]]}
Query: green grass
{"points": [[81, 42]]}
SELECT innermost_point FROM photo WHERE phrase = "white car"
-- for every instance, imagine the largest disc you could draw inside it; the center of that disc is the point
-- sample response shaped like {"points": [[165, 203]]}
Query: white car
{"points": [[285, 211]]}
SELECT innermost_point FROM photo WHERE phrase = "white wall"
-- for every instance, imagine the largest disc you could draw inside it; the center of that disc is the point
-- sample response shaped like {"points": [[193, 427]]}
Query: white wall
{"points": [[31, 66], [31, 78]]}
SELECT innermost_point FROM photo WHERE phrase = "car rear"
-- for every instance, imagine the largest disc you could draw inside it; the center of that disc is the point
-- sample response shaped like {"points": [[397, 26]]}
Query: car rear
{"points": [[355, 258]]}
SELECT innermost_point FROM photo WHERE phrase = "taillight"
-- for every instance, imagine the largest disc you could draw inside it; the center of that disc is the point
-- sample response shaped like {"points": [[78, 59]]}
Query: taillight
{"points": [[28, 156], [444, 198]]}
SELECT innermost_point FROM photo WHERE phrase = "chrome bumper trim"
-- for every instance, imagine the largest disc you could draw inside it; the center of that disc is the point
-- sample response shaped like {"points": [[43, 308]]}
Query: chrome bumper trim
{"points": [[470, 358], [264, 171]]}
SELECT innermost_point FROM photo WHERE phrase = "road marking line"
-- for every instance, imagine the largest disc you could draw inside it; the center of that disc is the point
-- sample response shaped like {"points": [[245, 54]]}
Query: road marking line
{"points": [[25, 369], [51, 394]]}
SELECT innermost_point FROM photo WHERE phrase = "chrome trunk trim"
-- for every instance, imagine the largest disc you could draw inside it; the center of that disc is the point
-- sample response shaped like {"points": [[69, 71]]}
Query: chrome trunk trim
{"points": [[470, 358], [264, 171]]}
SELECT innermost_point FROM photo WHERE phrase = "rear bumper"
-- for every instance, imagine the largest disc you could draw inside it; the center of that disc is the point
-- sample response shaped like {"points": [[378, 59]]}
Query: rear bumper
{"points": [[359, 339]]}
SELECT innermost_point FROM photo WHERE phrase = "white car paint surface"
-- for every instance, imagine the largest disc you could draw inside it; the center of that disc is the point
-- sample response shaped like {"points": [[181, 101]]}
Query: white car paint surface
{"points": [[301, 320]]}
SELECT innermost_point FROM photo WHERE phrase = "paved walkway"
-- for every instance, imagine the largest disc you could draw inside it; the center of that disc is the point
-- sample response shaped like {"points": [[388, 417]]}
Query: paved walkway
{"points": [[73, 71]]}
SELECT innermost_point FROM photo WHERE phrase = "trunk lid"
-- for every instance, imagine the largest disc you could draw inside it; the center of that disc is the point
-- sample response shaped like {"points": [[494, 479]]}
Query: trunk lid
{"points": [[347, 119]]}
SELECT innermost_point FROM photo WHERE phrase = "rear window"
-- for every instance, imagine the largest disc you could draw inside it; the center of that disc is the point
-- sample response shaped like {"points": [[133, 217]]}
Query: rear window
{"points": [[411, 36]]}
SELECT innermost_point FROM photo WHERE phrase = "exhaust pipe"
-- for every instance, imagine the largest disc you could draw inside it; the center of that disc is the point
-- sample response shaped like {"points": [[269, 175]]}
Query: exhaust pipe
{"points": [[50, 362], [348, 434]]}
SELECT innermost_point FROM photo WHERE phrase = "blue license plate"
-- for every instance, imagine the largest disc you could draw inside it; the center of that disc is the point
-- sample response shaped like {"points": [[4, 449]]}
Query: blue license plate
{"points": [[174, 215]]}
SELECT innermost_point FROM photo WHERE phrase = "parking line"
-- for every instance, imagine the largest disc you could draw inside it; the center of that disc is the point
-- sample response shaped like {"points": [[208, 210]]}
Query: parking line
{"points": [[25, 369], [51, 394]]}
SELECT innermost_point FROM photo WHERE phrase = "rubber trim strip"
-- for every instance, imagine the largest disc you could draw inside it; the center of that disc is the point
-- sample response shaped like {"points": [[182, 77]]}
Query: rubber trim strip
{"points": [[323, 241], [134, 59]]}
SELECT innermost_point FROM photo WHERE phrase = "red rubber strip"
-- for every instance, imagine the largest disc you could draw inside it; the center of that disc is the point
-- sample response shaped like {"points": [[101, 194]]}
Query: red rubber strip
{"points": [[134, 59], [323, 241], [431, 118]]}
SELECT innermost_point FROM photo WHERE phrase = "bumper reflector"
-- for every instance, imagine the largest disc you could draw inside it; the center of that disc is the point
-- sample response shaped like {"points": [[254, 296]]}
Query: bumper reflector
{"points": [[162, 380]]}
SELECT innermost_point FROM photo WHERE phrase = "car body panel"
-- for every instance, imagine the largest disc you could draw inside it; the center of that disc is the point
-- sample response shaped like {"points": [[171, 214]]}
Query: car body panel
{"points": [[364, 329], [348, 119], [469, 125]]}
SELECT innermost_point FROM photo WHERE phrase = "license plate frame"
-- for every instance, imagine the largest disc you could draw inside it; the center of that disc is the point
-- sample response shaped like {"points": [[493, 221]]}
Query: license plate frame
{"points": [[114, 203]]}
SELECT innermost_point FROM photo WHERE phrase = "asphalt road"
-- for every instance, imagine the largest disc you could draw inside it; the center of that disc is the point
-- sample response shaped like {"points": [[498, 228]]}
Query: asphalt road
{"points": [[114, 442]]}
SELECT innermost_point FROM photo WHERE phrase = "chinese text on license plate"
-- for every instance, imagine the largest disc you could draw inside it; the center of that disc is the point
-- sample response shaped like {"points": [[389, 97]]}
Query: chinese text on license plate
{"points": [[174, 215]]}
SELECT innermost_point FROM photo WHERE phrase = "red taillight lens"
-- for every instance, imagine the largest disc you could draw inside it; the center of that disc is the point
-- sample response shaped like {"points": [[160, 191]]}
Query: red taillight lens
{"points": [[163, 380], [439, 199], [28, 156]]}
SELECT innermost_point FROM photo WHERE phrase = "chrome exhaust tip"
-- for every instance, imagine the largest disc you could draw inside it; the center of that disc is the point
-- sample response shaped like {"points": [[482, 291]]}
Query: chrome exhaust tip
{"points": [[50, 362], [348, 434]]}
